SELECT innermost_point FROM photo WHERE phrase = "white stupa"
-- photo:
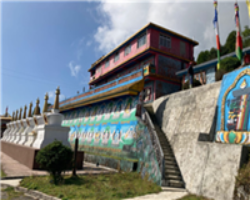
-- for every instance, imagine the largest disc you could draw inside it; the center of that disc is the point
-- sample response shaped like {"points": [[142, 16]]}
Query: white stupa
{"points": [[38, 120], [51, 130], [29, 128]]}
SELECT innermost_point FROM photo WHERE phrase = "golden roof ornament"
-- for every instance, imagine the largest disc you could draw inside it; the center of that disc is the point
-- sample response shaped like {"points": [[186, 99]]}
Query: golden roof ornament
{"points": [[20, 114], [45, 107], [37, 109], [16, 118], [13, 116], [56, 103], [30, 110], [24, 112]]}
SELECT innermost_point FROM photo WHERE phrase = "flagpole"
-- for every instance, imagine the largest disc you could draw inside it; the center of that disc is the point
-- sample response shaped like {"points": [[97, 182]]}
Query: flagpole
{"points": [[216, 28]]}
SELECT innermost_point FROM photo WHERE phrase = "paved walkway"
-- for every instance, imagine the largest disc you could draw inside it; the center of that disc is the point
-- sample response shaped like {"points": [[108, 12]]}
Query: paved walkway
{"points": [[13, 168]]}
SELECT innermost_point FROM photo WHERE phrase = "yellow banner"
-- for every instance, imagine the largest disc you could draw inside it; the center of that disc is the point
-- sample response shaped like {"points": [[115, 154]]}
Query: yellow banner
{"points": [[248, 6]]}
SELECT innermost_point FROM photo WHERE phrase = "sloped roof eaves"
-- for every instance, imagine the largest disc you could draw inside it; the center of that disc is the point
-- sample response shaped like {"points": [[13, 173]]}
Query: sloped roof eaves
{"points": [[149, 25], [116, 91], [106, 90], [210, 63]]}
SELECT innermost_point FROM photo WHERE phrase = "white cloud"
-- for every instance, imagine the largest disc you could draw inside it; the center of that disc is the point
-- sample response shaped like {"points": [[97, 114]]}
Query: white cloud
{"points": [[192, 19], [88, 43], [52, 97], [74, 69]]}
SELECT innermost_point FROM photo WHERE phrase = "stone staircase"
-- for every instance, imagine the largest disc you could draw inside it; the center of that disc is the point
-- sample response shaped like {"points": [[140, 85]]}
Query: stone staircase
{"points": [[173, 177]]}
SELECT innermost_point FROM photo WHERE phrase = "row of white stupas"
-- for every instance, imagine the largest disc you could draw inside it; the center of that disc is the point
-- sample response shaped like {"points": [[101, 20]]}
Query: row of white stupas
{"points": [[39, 130]]}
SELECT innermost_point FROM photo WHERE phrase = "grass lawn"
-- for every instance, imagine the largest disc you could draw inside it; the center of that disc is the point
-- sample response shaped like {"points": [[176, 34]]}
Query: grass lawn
{"points": [[114, 186], [193, 197], [2, 173]]}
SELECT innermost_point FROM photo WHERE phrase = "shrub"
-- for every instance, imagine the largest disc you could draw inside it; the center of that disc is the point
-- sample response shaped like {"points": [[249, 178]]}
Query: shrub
{"points": [[195, 84], [55, 158]]}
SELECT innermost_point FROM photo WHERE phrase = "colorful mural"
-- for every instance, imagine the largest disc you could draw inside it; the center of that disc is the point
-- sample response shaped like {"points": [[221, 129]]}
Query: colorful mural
{"points": [[233, 121], [111, 133]]}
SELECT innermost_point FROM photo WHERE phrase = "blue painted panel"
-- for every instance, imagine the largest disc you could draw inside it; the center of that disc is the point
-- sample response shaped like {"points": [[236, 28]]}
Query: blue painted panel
{"points": [[233, 121], [210, 75]]}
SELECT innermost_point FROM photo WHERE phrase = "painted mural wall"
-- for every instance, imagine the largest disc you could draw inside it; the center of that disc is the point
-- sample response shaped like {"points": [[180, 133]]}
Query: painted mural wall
{"points": [[210, 75], [110, 132], [233, 121]]}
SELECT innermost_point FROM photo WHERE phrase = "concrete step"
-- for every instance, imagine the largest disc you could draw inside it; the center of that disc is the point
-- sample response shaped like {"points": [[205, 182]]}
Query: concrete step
{"points": [[172, 189], [169, 162], [173, 177], [168, 157], [176, 184], [172, 171]]}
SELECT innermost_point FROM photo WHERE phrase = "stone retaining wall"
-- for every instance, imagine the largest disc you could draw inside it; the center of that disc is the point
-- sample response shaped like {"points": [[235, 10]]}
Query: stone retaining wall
{"points": [[188, 120]]}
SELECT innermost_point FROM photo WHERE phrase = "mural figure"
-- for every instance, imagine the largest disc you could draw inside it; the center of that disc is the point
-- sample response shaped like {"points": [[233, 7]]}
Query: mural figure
{"points": [[117, 110], [97, 137], [128, 109], [93, 113], [238, 115], [90, 136], [100, 111], [116, 137], [108, 110], [105, 136]]}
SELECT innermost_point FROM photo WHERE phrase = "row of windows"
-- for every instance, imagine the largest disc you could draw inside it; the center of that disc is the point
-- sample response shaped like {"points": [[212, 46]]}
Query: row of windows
{"points": [[141, 42], [164, 41]]}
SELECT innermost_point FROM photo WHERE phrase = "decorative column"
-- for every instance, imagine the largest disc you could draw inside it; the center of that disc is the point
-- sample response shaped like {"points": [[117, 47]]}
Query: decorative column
{"points": [[13, 133], [38, 119], [30, 126], [24, 125], [12, 127], [20, 127]]}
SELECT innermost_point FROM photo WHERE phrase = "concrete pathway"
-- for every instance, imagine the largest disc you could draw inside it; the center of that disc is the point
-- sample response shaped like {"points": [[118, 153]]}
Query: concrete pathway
{"points": [[11, 182], [13, 168], [166, 195]]}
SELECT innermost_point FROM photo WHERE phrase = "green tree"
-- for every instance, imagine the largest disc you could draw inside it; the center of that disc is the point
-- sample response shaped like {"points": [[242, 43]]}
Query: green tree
{"points": [[212, 53], [246, 34], [55, 158], [229, 64], [230, 42]]}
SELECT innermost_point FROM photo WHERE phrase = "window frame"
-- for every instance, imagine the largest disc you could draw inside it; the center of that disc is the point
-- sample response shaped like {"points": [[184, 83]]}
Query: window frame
{"points": [[125, 54], [182, 48], [107, 61], [115, 56], [164, 37], [139, 39]]}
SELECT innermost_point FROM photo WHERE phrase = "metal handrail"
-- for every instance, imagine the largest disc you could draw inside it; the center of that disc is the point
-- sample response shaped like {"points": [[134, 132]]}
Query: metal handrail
{"points": [[155, 141]]}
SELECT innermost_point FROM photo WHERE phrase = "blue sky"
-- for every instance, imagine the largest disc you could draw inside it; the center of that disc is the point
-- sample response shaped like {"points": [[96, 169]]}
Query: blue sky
{"points": [[50, 44]]}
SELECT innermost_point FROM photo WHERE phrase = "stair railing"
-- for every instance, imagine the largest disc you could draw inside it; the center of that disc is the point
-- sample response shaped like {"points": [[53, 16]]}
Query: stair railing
{"points": [[155, 141]]}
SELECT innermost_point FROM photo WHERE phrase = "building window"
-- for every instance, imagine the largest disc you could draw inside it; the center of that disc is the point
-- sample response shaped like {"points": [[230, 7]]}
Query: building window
{"points": [[116, 56], [165, 41], [127, 50], [182, 48], [141, 40], [107, 63]]}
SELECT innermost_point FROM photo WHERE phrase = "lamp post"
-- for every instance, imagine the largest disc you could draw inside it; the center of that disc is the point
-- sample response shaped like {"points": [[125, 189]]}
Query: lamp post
{"points": [[75, 153]]}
